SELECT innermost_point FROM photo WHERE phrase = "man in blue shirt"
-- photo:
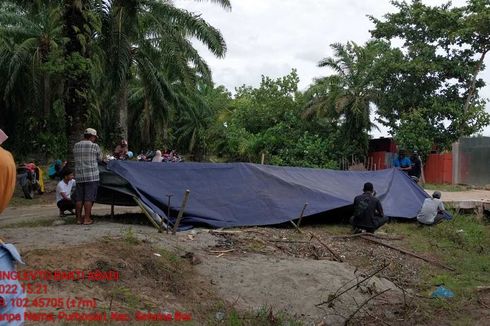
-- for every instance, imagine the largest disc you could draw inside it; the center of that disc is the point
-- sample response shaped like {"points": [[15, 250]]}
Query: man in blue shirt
{"points": [[402, 162]]}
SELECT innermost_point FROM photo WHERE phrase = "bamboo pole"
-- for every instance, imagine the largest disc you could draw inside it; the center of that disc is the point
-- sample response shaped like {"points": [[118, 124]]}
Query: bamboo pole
{"points": [[143, 209], [301, 215], [181, 211]]}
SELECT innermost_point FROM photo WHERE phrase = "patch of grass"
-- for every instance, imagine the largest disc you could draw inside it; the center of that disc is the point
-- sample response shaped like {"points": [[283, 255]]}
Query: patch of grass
{"points": [[446, 187], [462, 243], [223, 315], [30, 223], [130, 237], [126, 296]]}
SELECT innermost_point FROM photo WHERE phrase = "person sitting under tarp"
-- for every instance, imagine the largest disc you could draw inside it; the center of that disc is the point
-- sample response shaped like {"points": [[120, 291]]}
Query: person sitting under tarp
{"points": [[432, 211], [64, 200], [368, 212], [55, 169]]}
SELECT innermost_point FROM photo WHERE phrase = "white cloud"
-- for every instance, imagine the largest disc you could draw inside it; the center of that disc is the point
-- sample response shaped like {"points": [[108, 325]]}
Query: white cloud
{"points": [[271, 37]]}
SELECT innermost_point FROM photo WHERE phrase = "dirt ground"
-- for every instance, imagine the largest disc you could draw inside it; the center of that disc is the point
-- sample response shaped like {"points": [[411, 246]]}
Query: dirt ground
{"points": [[210, 274]]}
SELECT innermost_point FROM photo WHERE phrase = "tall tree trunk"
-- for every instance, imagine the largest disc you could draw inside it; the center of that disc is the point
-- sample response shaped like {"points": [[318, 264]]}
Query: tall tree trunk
{"points": [[77, 60], [46, 96], [472, 89], [166, 142], [122, 104]]}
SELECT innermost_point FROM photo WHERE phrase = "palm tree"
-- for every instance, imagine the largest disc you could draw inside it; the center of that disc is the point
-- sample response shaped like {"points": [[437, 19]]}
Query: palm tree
{"points": [[347, 95], [149, 40], [31, 83], [29, 37], [79, 26]]}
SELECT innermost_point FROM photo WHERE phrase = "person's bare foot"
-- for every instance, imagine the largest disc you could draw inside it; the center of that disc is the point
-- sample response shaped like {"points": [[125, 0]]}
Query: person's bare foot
{"points": [[88, 221]]}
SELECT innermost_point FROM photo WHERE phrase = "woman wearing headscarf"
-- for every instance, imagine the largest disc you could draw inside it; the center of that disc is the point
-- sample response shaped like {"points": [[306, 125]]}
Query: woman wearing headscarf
{"points": [[157, 157]]}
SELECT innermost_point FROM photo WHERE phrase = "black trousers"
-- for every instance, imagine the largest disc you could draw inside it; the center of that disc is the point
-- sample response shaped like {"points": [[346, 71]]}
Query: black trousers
{"points": [[66, 205], [378, 222]]}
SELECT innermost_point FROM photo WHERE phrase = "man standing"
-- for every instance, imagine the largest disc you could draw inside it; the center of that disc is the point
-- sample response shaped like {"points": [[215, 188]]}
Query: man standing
{"points": [[432, 211], [7, 174], [368, 212], [404, 162], [416, 170], [87, 154]]}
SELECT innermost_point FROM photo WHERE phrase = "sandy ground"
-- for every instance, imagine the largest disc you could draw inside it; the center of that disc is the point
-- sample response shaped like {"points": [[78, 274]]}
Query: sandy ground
{"points": [[268, 276], [470, 195], [248, 280]]}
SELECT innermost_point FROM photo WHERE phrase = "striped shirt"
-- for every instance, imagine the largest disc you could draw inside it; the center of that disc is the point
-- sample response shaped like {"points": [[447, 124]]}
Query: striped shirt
{"points": [[86, 154]]}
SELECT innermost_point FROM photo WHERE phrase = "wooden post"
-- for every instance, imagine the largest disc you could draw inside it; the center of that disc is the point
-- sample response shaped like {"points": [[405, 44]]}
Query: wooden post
{"points": [[112, 206], [169, 196], [301, 215], [263, 159], [181, 211]]}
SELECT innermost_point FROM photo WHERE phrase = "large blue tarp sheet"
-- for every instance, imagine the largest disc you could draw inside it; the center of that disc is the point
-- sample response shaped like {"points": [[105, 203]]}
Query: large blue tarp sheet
{"points": [[245, 194]]}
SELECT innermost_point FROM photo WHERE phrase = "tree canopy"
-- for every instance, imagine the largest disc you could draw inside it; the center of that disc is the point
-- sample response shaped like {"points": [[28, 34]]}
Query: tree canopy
{"points": [[129, 68]]}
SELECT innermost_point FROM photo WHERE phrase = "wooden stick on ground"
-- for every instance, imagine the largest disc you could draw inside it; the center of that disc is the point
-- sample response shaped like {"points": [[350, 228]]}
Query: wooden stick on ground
{"points": [[312, 235], [362, 305], [358, 235], [289, 241], [335, 296], [407, 252]]}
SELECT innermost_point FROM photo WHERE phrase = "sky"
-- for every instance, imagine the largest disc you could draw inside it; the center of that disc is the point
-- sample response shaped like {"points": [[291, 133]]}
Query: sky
{"points": [[272, 37]]}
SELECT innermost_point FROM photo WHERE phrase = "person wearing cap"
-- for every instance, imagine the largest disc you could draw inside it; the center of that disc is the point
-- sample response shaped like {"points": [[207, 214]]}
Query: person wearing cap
{"points": [[368, 213], [7, 174], [64, 201], [87, 155], [432, 211]]}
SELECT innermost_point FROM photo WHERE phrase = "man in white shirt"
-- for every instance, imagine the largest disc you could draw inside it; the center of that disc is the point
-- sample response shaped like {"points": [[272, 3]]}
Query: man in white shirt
{"points": [[432, 211], [63, 192]]}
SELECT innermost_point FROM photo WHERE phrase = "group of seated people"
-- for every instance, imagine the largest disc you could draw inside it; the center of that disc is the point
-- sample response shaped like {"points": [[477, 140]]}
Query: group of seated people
{"points": [[368, 213], [171, 156]]}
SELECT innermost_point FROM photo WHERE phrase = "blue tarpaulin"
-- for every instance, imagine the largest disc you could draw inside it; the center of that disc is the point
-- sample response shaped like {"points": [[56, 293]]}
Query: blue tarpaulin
{"points": [[245, 194]]}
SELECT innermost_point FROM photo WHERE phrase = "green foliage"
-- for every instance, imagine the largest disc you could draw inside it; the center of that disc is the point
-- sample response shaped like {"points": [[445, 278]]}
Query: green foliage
{"points": [[433, 75], [345, 98], [267, 120]]}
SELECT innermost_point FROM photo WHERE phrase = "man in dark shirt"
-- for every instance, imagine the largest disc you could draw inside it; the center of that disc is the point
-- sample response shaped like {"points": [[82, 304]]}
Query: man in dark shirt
{"points": [[368, 212], [416, 170]]}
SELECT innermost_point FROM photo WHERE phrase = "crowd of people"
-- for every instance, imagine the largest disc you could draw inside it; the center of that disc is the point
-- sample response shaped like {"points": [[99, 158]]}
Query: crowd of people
{"points": [[80, 194], [77, 197]]}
